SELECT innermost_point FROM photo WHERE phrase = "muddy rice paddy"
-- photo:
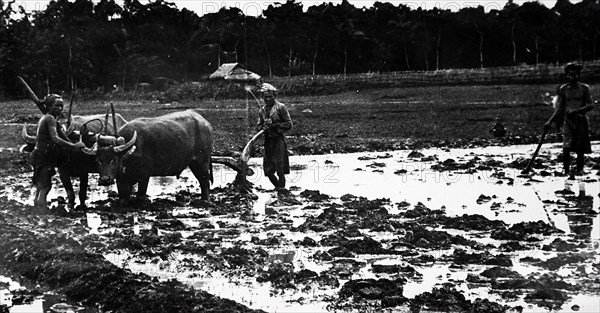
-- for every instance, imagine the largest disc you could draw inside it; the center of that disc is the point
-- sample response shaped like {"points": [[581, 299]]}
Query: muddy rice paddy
{"points": [[452, 230]]}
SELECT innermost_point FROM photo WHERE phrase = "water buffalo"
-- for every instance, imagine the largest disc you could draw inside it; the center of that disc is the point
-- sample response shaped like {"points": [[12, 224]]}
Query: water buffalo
{"points": [[160, 146], [73, 163]]}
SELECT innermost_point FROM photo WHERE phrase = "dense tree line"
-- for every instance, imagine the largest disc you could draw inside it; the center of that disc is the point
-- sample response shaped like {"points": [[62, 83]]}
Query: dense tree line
{"points": [[86, 45]]}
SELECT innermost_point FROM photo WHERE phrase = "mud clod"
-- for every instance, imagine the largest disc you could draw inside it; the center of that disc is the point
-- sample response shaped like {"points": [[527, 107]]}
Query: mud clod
{"points": [[373, 289]]}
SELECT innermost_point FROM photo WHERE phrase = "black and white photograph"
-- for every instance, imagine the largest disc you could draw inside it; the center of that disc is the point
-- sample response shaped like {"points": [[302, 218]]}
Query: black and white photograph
{"points": [[299, 156]]}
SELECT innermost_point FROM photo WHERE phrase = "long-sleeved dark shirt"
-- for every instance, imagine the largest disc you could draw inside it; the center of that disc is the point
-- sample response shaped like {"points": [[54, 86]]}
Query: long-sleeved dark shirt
{"points": [[280, 117]]}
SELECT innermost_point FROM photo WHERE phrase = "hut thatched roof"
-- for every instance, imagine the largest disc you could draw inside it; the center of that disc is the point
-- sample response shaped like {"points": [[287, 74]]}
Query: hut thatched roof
{"points": [[233, 71]]}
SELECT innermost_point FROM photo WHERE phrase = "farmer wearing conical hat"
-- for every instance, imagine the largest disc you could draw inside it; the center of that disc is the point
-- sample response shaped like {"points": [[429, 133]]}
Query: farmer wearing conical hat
{"points": [[574, 101], [43, 158], [275, 119]]}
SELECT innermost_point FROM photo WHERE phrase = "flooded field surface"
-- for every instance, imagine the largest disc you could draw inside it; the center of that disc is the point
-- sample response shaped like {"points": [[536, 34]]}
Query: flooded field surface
{"points": [[452, 230]]}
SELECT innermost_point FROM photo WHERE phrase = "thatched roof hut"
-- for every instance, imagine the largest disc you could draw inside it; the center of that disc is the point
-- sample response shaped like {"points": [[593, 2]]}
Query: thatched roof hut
{"points": [[233, 72]]}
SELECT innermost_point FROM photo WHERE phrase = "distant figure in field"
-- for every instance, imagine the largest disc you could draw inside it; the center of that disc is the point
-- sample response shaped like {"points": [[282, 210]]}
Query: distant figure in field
{"points": [[50, 137], [574, 101], [498, 130], [275, 119]]}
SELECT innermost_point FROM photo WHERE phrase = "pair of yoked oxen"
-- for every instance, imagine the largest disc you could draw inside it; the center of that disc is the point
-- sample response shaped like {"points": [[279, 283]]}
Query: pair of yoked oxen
{"points": [[132, 152]]}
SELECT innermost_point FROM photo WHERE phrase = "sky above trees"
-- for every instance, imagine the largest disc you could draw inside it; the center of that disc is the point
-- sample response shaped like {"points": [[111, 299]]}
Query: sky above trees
{"points": [[255, 8]]}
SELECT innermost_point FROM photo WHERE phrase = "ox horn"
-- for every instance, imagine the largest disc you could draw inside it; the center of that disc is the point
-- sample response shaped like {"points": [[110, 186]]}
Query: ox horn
{"points": [[81, 132], [126, 146], [85, 131], [25, 149], [26, 137], [93, 151]]}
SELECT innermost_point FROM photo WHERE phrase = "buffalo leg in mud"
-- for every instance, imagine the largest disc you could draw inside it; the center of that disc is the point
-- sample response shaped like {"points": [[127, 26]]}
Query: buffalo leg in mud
{"points": [[39, 200], [124, 188], [83, 187], [202, 172], [142, 189], [65, 179]]}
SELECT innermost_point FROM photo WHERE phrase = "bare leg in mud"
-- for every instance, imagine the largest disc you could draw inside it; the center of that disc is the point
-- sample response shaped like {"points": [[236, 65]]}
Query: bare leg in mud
{"points": [[567, 163]]}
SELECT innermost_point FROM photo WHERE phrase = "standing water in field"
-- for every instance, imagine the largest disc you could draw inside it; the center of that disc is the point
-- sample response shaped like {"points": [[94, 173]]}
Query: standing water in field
{"points": [[400, 177], [457, 182]]}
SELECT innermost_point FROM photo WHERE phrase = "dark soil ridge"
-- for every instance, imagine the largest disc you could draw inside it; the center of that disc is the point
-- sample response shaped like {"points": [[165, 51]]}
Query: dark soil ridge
{"points": [[61, 263], [353, 145]]}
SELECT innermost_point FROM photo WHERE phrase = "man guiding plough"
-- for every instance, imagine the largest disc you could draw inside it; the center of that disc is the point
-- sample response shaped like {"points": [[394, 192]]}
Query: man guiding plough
{"points": [[274, 119]]}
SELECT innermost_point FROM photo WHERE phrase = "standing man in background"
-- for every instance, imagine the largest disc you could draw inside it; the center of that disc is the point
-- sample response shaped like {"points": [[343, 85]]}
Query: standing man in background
{"points": [[275, 119], [574, 101]]}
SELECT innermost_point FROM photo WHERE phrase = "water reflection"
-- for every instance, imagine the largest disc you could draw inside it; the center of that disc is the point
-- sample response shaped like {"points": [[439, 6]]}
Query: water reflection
{"points": [[93, 222], [581, 221], [37, 306], [5, 297]]}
